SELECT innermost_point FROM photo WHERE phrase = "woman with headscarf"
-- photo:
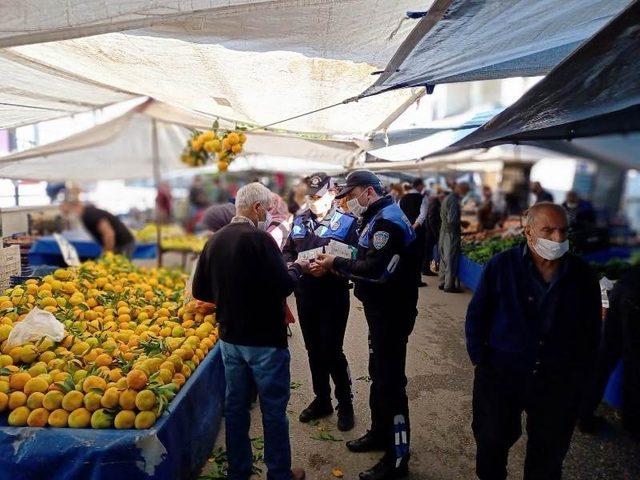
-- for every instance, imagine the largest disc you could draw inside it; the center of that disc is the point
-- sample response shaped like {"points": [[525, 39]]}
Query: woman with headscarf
{"points": [[280, 224]]}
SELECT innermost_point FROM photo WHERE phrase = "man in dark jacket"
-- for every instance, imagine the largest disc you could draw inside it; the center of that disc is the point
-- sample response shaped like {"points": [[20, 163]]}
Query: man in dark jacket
{"points": [[533, 328], [432, 231], [242, 272], [414, 205], [541, 194], [385, 276], [620, 341]]}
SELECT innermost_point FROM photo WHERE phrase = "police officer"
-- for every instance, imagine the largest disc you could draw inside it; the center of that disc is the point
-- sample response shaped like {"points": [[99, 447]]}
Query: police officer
{"points": [[323, 300], [385, 276]]}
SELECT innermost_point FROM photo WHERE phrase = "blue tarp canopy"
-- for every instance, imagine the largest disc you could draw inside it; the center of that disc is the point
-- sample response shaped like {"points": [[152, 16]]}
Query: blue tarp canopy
{"points": [[463, 40], [595, 91]]}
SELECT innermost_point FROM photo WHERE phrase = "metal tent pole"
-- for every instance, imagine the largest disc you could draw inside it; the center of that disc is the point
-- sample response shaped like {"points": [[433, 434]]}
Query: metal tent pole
{"points": [[156, 178]]}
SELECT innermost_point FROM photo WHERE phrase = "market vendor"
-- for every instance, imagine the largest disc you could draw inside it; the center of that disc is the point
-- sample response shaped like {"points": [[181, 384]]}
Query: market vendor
{"points": [[106, 229], [385, 276], [532, 329], [323, 300]]}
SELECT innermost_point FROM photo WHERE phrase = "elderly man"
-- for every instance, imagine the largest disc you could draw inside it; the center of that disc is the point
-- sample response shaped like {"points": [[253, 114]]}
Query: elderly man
{"points": [[533, 328], [451, 238], [385, 276], [241, 270]]}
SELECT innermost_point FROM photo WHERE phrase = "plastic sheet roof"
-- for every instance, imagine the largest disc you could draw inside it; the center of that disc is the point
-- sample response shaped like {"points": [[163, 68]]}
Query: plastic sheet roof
{"points": [[595, 91], [463, 40], [249, 61], [121, 148]]}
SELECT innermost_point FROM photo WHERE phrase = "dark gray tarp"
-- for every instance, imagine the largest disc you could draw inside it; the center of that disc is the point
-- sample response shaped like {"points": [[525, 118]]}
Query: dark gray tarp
{"points": [[595, 91], [463, 40]]}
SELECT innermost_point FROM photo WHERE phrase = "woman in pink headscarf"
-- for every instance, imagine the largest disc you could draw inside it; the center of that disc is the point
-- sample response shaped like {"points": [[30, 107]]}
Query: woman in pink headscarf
{"points": [[280, 225]]}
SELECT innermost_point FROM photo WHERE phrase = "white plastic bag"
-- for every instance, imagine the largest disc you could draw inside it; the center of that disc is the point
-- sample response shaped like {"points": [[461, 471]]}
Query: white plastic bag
{"points": [[37, 324]]}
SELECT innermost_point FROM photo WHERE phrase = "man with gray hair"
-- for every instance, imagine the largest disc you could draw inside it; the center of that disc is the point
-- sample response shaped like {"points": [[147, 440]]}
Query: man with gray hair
{"points": [[242, 271], [533, 328]]}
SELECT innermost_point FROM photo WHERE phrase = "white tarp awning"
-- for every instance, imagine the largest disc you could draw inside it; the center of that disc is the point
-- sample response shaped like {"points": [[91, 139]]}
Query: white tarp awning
{"points": [[463, 40], [122, 149], [31, 92], [250, 61]]}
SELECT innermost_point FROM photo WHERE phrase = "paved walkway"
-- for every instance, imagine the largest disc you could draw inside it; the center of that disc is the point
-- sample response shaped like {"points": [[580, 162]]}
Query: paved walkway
{"points": [[440, 380]]}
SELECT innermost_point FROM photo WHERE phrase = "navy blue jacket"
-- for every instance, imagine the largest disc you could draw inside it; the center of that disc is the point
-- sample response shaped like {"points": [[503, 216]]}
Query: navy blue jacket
{"points": [[514, 320]]}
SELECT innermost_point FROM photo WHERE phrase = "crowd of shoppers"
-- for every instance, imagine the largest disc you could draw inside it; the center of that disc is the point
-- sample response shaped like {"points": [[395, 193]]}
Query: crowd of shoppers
{"points": [[533, 326]]}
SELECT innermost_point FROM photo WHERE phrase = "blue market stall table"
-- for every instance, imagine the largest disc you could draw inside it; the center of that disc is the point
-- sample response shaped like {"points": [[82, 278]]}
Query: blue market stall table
{"points": [[45, 251], [176, 447]]}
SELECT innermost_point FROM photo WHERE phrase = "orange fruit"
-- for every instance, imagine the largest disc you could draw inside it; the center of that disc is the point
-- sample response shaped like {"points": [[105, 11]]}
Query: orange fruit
{"points": [[137, 379], [17, 399], [17, 381], [94, 381], [80, 418], [144, 420], [38, 417], [58, 418]]}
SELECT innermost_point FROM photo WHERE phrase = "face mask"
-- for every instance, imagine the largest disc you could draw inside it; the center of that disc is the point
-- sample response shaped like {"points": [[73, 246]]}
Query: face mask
{"points": [[321, 205], [354, 206], [264, 224], [550, 250]]}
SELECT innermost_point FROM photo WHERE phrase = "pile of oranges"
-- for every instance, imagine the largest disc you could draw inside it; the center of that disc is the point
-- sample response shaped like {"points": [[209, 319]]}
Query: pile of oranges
{"points": [[222, 145], [130, 344]]}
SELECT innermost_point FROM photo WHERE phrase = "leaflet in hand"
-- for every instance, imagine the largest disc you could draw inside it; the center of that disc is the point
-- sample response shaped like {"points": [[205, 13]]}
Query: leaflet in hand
{"points": [[310, 254], [339, 249]]}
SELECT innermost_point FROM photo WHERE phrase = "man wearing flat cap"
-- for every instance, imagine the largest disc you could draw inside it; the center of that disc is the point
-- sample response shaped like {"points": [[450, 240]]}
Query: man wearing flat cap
{"points": [[385, 273], [323, 299]]}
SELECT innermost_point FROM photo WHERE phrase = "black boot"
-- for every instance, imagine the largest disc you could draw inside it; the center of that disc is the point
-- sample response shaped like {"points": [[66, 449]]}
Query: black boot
{"points": [[369, 442], [386, 470], [317, 409], [346, 420]]}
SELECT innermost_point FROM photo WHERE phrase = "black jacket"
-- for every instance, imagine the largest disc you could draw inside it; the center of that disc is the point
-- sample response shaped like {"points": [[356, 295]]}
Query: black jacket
{"points": [[315, 289], [241, 270], [509, 324], [400, 290]]}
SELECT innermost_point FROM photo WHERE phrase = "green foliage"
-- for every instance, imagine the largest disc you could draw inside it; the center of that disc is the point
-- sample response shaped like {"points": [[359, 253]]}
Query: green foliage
{"points": [[482, 252]]}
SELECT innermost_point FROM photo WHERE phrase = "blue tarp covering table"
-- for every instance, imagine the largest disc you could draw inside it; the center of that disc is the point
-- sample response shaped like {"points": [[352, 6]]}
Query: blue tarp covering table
{"points": [[45, 251], [175, 448], [469, 272]]}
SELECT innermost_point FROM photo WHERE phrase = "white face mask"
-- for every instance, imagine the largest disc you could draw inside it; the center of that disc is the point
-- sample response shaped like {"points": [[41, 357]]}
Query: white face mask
{"points": [[354, 206], [550, 250], [322, 205], [264, 224]]}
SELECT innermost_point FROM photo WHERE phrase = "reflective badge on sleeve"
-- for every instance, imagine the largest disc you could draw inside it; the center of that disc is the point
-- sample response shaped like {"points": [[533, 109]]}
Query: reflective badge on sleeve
{"points": [[380, 239]]}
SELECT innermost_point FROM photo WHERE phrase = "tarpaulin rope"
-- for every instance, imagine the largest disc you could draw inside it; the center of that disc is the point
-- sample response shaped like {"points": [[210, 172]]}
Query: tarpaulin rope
{"points": [[344, 102], [31, 106]]}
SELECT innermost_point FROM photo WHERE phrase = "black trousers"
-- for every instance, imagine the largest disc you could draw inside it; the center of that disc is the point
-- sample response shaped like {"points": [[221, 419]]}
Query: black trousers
{"points": [[323, 320], [430, 242], [389, 331], [500, 397], [420, 251], [620, 341]]}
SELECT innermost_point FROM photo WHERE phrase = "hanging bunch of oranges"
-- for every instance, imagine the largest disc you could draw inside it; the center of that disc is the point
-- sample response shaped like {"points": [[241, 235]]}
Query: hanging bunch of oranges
{"points": [[216, 144], [130, 344]]}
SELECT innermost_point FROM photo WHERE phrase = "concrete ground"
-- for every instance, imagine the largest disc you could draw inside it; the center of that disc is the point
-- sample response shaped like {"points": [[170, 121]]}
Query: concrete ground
{"points": [[439, 389]]}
